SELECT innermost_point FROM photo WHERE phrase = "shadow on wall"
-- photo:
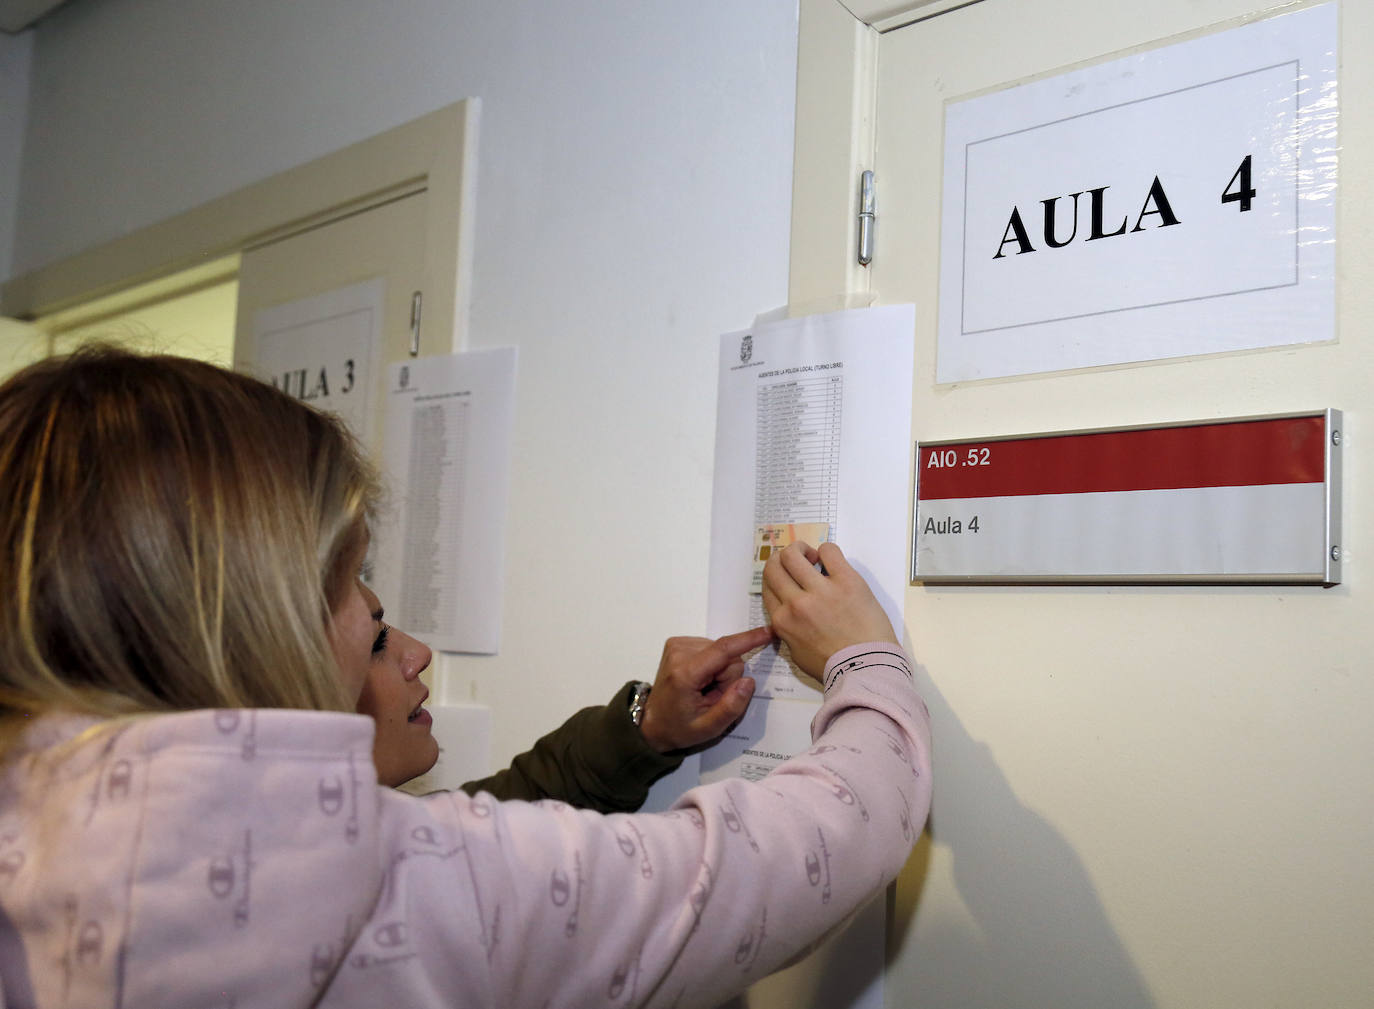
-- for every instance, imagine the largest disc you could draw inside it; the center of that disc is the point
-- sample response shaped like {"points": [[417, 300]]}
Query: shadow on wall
{"points": [[1044, 937]]}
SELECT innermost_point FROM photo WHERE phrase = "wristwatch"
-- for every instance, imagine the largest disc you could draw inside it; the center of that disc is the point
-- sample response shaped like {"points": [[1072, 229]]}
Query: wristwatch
{"points": [[638, 698]]}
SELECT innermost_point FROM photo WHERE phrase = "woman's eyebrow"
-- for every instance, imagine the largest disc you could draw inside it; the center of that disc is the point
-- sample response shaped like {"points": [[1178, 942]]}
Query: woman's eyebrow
{"points": [[378, 613]]}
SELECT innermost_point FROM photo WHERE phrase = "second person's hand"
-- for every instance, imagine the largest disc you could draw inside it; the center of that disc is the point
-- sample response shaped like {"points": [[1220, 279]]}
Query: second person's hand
{"points": [[700, 690]]}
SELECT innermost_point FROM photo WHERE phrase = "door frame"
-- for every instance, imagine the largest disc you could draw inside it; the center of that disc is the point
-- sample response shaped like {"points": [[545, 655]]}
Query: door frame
{"points": [[435, 153], [834, 142], [837, 79]]}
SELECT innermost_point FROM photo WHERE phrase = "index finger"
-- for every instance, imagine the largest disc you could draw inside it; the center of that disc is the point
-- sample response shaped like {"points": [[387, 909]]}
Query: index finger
{"points": [[813, 555], [836, 559], [723, 651], [801, 564]]}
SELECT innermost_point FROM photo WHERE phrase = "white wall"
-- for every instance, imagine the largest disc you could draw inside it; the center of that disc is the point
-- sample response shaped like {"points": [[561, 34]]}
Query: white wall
{"points": [[14, 100], [633, 200]]}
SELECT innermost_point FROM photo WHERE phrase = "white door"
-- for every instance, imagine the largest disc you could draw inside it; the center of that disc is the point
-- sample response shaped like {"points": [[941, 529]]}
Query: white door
{"points": [[21, 343], [1145, 797], [379, 258]]}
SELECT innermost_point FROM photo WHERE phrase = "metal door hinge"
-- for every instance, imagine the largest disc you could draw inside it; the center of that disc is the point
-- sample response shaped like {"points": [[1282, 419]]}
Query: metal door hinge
{"points": [[867, 218], [415, 302]]}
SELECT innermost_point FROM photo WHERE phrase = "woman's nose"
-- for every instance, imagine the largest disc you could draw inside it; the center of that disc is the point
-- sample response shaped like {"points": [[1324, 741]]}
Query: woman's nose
{"points": [[416, 656]]}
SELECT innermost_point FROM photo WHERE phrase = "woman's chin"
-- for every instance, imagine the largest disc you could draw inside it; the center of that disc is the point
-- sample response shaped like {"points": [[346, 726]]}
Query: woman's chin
{"points": [[426, 756], [433, 758], [420, 762]]}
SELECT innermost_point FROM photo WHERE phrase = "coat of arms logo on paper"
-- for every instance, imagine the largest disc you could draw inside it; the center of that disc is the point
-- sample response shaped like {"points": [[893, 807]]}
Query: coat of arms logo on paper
{"points": [[746, 348]]}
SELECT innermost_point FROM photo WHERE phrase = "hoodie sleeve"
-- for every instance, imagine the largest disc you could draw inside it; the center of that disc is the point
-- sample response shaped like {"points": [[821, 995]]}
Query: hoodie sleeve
{"points": [[540, 904]]}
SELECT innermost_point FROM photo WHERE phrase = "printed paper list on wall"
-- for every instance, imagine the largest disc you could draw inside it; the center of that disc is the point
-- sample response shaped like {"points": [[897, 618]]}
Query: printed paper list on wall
{"points": [[1234, 501], [812, 439], [1173, 202], [439, 550]]}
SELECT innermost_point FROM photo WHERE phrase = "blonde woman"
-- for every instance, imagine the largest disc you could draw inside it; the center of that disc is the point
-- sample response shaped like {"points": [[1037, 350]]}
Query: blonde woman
{"points": [[189, 809]]}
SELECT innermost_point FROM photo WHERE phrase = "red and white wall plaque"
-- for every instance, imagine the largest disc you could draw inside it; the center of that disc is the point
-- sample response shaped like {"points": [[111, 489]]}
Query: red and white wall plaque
{"points": [[1252, 500]]}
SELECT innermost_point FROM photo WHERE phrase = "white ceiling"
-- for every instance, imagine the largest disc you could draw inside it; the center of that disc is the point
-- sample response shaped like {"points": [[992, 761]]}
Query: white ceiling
{"points": [[16, 15]]}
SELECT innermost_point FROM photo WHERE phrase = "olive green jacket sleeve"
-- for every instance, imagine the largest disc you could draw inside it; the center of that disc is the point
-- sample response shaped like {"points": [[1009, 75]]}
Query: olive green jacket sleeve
{"points": [[597, 759]]}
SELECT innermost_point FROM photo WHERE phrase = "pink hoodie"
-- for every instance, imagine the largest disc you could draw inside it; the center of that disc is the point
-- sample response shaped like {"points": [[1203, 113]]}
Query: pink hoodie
{"points": [[248, 858]]}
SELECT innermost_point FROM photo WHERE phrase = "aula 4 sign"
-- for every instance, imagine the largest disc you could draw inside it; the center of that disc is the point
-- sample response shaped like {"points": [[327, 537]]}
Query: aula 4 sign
{"points": [[1173, 202]]}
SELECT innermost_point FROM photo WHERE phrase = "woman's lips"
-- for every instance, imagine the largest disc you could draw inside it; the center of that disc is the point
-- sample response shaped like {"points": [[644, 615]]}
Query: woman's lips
{"points": [[420, 716]]}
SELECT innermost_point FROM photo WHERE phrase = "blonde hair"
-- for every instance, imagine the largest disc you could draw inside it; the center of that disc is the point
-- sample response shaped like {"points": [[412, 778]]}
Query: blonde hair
{"points": [[172, 536]]}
